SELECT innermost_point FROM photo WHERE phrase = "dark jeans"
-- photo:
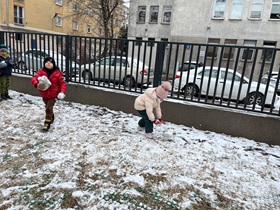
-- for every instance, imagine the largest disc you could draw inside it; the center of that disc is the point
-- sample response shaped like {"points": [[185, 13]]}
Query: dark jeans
{"points": [[49, 102], [145, 122]]}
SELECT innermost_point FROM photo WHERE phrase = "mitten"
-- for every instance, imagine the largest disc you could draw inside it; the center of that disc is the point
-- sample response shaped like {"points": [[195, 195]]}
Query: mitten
{"points": [[61, 96], [41, 86], [161, 121], [156, 122]]}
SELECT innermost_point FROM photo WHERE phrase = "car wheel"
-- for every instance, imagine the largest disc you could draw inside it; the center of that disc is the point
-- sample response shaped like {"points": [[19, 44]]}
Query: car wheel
{"points": [[251, 98], [22, 66], [129, 81], [190, 89], [87, 75]]}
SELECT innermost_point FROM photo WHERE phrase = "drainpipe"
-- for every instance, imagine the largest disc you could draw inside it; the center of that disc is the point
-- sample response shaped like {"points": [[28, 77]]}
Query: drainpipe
{"points": [[7, 14]]}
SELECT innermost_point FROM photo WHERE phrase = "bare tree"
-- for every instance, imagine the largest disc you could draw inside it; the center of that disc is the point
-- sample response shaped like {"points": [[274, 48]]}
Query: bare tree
{"points": [[104, 13]]}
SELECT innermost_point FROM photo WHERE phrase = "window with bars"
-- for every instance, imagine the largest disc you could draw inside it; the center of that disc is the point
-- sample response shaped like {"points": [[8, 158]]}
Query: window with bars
{"points": [[256, 9], [18, 15], [219, 9]]}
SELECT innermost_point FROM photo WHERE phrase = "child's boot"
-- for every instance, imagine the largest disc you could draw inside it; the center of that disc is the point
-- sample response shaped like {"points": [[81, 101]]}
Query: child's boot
{"points": [[3, 97], [47, 125], [8, 96], [52, 119]]}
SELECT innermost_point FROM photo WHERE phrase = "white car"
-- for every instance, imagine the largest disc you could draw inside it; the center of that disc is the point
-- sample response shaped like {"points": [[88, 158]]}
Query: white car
{"points": [[223, 83], [33, 59], [272, 81], [125, 70]]}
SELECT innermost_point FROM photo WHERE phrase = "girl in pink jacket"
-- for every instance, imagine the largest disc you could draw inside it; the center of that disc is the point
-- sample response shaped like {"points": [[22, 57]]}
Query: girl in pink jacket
{"points": [[148, 106], [49, 80]]}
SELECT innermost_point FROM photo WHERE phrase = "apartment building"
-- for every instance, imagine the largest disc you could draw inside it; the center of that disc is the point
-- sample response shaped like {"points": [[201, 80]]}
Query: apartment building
{"points": [[253, 23], [52, 16]]}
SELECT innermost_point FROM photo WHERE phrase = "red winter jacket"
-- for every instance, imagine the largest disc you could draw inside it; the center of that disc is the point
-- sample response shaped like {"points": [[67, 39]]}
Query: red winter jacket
{"points": [[58, 85]]}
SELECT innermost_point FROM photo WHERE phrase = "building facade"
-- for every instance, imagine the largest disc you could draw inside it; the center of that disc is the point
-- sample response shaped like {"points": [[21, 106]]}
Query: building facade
{"points": [[53, 16], [253, 23]]}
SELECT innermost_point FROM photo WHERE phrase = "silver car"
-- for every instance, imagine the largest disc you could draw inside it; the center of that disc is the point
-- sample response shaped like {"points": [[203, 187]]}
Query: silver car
{"points": [[33, 59], [125, 70]]}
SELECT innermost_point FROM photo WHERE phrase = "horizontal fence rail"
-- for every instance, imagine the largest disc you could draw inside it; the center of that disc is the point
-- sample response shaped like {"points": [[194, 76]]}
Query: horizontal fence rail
{"points": [[238, 77]]}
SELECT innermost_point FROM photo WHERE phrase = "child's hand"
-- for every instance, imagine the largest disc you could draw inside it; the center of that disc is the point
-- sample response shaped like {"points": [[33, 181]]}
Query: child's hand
{"points": [[61, 96], [41, 86], [157, 122]]}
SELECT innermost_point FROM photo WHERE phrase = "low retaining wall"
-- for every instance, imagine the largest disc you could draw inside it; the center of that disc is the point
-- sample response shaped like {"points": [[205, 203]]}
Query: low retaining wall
{"points": [[258, 127]]}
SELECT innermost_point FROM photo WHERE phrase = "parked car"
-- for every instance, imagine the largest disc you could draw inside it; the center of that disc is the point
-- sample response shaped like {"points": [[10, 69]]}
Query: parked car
{"points": [[190, 65], [125, 70], [33, 59], [272, 81], [14, 57], [222, 82]]}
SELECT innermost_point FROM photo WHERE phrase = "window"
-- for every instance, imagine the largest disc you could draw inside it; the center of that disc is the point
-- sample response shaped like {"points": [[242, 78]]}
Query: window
{"points": [[229, 76], [248, 52], [166, 14], [256, 9], [89, 30], [151, 42], [219, 9], [209, 72], [229, 51], [75, 6], [18, 15], [58, 2], [58, 21], [237, 9], [154, 14], [275, 10], [212, 51], [90, 12], [268, 53], [138, 41], [75, 25], [119, 61], [141, 18]]}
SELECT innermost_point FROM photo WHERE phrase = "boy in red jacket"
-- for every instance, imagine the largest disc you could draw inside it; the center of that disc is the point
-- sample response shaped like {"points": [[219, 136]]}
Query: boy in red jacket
{"points": [[49, 81]]}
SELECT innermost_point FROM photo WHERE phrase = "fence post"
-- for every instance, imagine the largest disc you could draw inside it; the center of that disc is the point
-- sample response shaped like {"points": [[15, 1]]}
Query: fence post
{"points": [[159, 64], [67, 55], [1, 37]]}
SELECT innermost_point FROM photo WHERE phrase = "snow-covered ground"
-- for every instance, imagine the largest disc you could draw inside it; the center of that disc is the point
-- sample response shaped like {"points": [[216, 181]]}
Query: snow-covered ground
{"points": [[96, 158]]}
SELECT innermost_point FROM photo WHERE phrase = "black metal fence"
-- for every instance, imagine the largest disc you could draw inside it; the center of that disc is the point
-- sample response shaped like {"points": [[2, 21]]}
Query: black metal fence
{"points": [[230, 76]]}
